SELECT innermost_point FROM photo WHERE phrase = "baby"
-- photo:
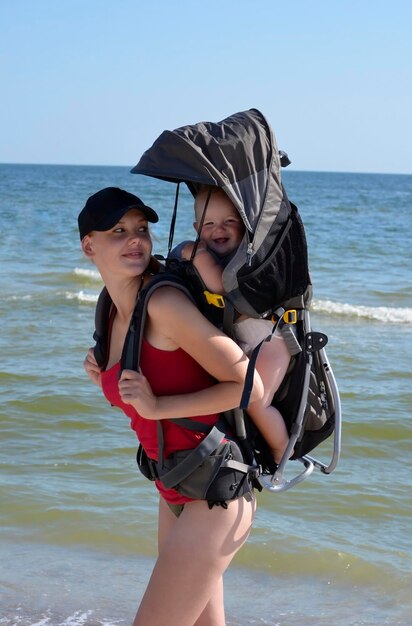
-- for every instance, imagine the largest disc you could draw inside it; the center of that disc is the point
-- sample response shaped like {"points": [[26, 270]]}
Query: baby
{"points": [[221, 233]]}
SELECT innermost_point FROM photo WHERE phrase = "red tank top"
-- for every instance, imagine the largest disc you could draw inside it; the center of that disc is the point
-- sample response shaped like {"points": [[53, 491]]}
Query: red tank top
{"points": [[169, 373]]}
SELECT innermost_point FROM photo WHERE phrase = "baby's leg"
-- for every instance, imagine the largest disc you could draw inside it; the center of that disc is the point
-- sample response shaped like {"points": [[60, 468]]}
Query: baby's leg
{"points": [[186, 584], [272, 364]]}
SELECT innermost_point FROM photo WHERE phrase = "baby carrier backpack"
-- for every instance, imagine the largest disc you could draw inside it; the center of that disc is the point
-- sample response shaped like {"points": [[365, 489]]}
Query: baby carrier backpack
{"points": [[267, 277]]}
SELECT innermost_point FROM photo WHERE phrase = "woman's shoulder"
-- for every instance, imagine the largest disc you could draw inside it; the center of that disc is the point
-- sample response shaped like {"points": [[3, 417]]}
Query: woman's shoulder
{"points": [[169, 296], [172, 313], [171, 319]]}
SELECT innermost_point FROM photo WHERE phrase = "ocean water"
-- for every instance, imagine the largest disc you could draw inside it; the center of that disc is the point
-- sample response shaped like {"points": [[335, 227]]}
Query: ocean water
{"points": [[78, 523]]}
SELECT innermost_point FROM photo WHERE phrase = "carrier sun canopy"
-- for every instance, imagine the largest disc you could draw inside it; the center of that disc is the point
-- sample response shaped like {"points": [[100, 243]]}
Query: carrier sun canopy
{"points": [[240, 155]]}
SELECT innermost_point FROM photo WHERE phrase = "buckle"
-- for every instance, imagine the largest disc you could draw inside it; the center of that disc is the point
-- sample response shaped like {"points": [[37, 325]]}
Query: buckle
{"points": [[290, 316], [216, 299]]}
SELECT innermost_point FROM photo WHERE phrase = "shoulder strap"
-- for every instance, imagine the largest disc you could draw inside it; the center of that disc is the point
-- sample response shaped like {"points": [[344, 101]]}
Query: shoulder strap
{"points": [[101, 321], [132, 346]]}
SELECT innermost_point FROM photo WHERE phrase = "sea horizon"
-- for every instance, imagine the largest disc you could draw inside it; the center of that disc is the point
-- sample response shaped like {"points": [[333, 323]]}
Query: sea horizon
{"points": [[289, 167]]}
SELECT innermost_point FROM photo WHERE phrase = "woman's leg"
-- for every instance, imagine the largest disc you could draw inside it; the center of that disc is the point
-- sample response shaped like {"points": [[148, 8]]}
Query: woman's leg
{"points": [[214, 612], [195, 549], [166, 521], [272, 364]]}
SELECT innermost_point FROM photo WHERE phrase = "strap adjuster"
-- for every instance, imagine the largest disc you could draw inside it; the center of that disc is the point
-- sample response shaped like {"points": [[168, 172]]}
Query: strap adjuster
{"points": [[290, 316], [216, 299]]}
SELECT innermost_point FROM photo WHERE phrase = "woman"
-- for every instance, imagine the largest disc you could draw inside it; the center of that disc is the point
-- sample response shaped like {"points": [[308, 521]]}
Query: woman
{"points": [[188, 369]]}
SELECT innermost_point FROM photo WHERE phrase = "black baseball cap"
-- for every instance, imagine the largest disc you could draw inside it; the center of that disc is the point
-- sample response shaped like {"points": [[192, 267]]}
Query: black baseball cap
{"points": [[106, 207]]}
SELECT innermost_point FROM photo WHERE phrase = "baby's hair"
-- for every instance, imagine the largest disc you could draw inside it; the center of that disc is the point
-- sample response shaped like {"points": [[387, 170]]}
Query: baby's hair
{"points": [[203, 190]]}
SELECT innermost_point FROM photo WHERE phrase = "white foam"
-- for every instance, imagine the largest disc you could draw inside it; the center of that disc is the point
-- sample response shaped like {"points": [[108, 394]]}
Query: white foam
{"points": [[81, 296], [24, 297], [77, 619], [388, 315], [42, 622], [88, 273]]}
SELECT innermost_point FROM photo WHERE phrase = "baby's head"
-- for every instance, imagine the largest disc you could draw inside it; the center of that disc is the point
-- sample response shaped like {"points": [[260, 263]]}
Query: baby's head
{"points": [[222, 228]]}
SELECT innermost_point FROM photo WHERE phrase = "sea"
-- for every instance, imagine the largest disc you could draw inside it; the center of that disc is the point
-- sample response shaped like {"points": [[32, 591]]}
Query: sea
{"points": [[78, 522]]}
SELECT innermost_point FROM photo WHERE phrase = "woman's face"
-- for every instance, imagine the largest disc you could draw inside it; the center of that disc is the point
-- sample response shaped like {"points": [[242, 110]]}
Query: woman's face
{"points": [[124, 249]]}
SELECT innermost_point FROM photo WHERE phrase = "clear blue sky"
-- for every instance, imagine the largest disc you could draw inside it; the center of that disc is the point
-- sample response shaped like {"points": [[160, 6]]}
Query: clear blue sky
{"points": [[96, 81]]}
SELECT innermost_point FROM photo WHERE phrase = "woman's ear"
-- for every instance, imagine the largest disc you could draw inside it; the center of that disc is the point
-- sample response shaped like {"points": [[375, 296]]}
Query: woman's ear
{"points": [[196, 226], [87, 246]]}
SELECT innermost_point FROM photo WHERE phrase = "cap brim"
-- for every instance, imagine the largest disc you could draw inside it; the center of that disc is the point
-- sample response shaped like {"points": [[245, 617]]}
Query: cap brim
{"points": [[116, 216]]}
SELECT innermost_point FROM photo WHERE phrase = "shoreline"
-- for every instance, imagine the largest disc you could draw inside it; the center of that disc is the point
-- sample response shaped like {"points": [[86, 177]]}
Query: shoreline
{"points": [[56, 586]]}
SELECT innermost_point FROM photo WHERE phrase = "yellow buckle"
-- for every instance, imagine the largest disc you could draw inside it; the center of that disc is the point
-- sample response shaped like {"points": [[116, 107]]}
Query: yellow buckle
{"points": [[215, 298], [291, 316]]}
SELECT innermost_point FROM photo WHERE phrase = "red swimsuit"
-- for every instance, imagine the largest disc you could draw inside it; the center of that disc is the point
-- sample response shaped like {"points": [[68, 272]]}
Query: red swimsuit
{"points": [[169, 373]]}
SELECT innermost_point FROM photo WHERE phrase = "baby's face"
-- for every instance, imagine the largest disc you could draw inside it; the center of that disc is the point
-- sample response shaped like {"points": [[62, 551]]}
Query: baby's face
{"points": [[222, 228]]}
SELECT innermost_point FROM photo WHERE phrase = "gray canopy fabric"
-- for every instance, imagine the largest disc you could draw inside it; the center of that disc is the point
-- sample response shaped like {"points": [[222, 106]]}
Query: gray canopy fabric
{"points": [[239, 155]]}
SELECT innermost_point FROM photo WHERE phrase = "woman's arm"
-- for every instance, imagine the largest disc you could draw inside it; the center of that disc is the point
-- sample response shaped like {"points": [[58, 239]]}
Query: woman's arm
{"points": [[174, 322]]}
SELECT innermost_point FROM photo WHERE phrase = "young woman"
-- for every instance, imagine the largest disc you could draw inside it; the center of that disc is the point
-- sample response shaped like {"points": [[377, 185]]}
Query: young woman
{"points": [[188, 369]]}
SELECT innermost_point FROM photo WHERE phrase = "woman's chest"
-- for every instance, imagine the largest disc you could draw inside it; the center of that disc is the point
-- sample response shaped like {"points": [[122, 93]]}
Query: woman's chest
{"points": [[117, 339]]}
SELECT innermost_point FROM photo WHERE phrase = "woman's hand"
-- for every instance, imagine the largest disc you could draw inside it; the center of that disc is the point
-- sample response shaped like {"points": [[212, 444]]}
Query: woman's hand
{"points": [[91, 368], [134, 389]]}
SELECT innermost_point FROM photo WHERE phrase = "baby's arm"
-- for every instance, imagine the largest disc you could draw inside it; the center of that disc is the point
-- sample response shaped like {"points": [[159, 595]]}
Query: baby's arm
{"points": [[208, 268]]}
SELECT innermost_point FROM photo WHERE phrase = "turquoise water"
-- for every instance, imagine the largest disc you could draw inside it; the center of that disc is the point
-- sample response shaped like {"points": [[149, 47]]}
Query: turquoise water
{"points": [[78, 523]]}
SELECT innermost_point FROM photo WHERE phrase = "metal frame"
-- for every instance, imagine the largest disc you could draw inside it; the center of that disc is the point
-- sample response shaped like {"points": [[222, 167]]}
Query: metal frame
{"points": [[277, 482]]}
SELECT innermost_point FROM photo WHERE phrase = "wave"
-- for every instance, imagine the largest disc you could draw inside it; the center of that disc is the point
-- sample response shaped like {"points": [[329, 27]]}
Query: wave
{"points": [[13, 298], [82, 296], [87, 273], [386, 315]]}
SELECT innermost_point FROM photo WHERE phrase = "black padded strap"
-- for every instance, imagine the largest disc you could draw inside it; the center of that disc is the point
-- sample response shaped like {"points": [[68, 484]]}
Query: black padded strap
{"points": [[193, 460], [160, 445], [102, 324], [190, 424], [132, 346], [248, 386], [228, 318]]}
